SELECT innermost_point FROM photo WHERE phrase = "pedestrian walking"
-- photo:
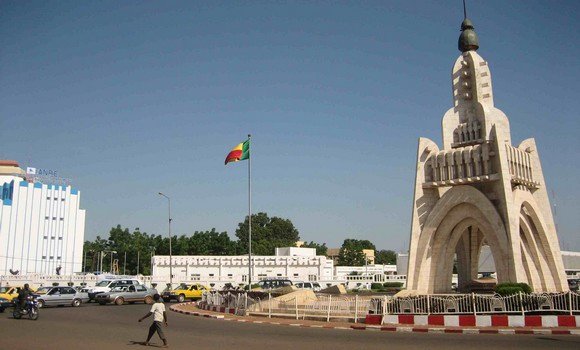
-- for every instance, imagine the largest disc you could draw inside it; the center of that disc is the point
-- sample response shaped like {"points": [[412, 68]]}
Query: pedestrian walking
{"points": [[159, 315]]}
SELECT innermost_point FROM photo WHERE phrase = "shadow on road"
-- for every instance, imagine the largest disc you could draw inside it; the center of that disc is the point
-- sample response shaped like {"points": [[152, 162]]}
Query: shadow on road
{"points": [[132, 342]]}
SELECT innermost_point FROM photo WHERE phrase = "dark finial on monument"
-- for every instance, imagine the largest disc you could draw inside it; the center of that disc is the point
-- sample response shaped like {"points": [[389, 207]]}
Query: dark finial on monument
{"points": [[468, 39]]}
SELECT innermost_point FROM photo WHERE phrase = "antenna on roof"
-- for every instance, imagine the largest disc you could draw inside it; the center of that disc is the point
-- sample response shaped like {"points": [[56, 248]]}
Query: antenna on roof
{"points": [[464, 10]]}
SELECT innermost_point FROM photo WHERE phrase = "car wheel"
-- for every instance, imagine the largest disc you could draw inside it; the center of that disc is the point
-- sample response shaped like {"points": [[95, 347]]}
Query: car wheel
{"points": [[166, 300], [41, 303], [181, 298], [148, 300], [119, 301], [76, 303]]}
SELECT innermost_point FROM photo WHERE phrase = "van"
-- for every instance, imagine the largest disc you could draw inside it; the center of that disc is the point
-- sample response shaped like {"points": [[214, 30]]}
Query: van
{"points": [[314, 286]]}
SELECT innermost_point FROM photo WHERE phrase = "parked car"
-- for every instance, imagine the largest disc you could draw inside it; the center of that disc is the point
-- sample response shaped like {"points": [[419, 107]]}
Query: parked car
{"points": [[61, 296], [10, 293], [184, 292], [107, 285], [274, 283], [314, 286], [131, 294], [4, 304]]}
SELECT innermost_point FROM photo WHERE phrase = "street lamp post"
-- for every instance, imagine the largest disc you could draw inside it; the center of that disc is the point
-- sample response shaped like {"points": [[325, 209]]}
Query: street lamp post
{"points": [[170, 252]]}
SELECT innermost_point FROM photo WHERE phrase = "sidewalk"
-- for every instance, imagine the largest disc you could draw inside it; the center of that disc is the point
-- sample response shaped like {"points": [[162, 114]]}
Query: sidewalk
{"points": [[192, 309]]}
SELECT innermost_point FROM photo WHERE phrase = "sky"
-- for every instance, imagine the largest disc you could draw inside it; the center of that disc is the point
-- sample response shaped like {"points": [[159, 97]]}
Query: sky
{"points": [[131, 98]]}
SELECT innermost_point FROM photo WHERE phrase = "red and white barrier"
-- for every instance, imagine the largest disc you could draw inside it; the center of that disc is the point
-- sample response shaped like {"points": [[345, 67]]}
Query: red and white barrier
{"points": [[545, 321]]}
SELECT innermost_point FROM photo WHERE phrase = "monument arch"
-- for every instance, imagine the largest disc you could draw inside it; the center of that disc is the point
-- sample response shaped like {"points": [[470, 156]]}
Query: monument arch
{"points": [[478, 190]]}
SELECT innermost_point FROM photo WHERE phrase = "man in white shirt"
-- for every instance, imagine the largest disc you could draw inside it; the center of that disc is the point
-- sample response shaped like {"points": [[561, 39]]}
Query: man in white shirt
{"points": [[159, 315]]}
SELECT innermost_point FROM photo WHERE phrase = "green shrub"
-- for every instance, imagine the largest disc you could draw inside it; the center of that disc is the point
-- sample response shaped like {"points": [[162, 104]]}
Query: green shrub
{"points": [[393, 284], [505, 289], [376, 286]]}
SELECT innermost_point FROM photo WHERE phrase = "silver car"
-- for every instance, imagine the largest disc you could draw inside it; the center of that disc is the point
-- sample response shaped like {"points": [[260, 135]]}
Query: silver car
{"points": [[127, 294], [57, 296]]}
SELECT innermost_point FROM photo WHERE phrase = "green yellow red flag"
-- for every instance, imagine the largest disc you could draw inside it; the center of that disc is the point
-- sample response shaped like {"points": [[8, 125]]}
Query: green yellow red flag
{"points": [[240, 152]]}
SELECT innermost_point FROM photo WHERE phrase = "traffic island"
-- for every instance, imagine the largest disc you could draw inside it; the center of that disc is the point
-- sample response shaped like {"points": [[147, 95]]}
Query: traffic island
{"points": [[193, 309]]}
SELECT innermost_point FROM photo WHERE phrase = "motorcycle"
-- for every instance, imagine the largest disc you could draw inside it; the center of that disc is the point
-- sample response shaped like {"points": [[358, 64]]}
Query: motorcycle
{"points": [[30, 309]]}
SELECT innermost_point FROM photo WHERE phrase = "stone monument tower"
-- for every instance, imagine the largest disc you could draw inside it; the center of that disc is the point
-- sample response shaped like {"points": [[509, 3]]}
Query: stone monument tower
{"points": [[478, 189]]}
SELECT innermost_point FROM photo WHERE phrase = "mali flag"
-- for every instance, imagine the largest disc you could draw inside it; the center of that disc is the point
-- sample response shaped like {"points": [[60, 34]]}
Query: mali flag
{"points": [[240, 152]]}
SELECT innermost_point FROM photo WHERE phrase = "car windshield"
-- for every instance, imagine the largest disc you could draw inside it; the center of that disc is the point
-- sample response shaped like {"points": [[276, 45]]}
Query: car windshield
{"points": [[4, 289], [103, 284]]}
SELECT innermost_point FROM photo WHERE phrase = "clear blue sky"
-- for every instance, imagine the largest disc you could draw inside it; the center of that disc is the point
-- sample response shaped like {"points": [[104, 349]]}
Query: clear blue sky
{"points": [[129, 98]]}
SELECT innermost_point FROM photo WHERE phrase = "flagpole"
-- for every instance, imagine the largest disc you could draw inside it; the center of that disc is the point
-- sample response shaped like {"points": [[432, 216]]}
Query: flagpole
{"points": [[250, 216]]}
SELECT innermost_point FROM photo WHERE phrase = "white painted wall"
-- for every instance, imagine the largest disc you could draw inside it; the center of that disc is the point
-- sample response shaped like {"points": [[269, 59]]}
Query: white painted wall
{"points": [[41, 228]]}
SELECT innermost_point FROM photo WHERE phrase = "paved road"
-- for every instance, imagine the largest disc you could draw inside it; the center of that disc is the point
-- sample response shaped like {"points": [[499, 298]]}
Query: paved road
{"points": [[115, 327]]}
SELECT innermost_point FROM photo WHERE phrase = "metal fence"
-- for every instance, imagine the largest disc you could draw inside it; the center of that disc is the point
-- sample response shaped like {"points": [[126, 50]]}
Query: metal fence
{"points": [[355, 307], [477, 304]]}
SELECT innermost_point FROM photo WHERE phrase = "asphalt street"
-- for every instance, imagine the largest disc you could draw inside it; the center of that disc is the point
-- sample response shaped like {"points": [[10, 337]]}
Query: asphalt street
{"points": [[115, 327]]}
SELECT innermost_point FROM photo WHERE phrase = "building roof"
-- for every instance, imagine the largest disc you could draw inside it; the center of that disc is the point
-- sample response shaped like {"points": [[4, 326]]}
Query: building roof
{"points": [[11, 167]]}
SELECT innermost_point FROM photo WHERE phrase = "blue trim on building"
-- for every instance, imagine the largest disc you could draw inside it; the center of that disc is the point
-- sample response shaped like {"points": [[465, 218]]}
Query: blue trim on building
{"points": [[7, 201], [37, 185], [23, 183], [74, 191]]}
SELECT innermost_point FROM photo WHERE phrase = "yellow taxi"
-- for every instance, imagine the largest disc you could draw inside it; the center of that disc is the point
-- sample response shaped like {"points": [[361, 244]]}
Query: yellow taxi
{"points": [[185, 291], [10, 292]]}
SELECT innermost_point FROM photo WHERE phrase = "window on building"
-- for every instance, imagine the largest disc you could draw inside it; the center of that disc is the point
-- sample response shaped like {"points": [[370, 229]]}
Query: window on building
{"points": [[46, 218], [44, 256], [230, 275], [54, 218], [52, 237], [48, 197], [60, 238], [52, 257], [58, 258], [61, 219], [312, 277], [295, 275], [55, 198], [244, 278], [45, 237], [62, 199], [211, 275], [279, 275]]}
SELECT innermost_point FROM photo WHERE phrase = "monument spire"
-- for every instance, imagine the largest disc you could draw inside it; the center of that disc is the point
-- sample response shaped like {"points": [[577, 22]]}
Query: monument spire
{"points": [[468, 39]]}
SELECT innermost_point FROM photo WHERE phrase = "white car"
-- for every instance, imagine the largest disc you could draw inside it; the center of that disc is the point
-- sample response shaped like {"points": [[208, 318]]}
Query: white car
{"points": [[314, 286], [105, 286]]}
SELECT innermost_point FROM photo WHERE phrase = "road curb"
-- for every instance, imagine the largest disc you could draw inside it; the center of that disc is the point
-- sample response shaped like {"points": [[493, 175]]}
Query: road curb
{"points": [[455, 330]]}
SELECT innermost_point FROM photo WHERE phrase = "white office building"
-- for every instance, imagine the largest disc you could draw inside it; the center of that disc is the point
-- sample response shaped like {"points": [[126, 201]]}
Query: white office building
{"points": [[42, 227], [296, 264]]}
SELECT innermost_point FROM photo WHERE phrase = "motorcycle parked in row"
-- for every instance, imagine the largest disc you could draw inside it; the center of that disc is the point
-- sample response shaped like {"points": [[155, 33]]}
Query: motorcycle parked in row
{"points": [[30, 309]]}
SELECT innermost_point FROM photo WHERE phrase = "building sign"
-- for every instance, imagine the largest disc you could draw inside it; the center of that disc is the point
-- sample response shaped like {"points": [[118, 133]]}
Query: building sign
{"points": [[47, 176]]}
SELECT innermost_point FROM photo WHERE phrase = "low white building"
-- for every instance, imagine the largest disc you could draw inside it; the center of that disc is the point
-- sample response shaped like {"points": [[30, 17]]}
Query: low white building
{"points": [[296, 264], [341, 272], [42, 227]]}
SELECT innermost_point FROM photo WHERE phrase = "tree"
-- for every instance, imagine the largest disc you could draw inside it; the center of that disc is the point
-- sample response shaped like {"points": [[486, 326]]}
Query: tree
{"points": [[351, 252], [267, 234], [321, 249], [211, 243], [387, 257]]}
